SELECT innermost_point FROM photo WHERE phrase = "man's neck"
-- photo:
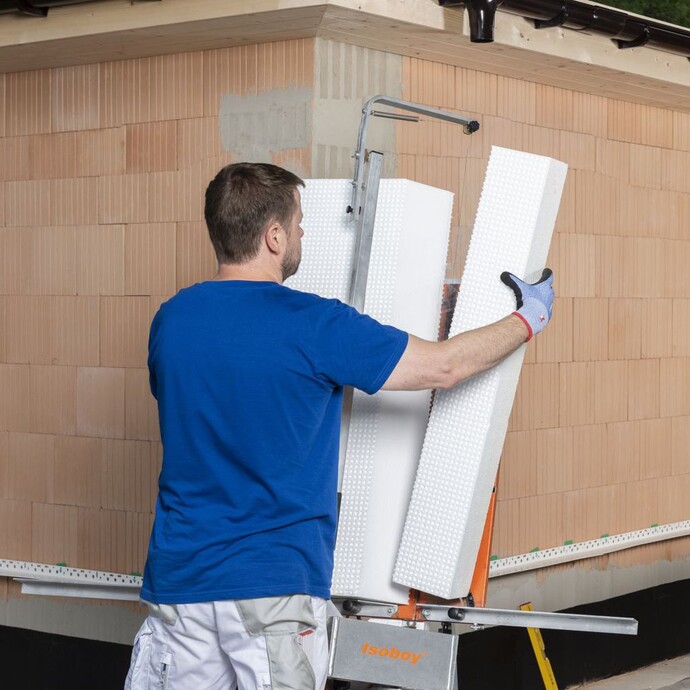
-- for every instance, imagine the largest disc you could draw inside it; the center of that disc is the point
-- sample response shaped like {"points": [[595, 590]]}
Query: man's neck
{"points": [[251, 270]]}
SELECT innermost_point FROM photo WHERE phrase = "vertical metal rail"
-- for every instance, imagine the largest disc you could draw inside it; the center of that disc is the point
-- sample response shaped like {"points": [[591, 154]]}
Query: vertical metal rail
{"points": [[373, 166]]}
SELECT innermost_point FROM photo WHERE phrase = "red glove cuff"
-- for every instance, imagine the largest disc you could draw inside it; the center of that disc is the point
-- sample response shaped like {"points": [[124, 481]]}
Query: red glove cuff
{"points": [[530, 333]]}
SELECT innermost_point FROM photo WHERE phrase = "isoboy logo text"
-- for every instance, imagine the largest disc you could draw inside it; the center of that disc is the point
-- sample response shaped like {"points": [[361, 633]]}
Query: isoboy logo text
{"points": [[393, 653]]}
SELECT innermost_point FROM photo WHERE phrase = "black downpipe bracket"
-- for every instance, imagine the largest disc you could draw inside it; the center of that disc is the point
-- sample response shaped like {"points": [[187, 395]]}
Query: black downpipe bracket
{"points": [[625, 30]]}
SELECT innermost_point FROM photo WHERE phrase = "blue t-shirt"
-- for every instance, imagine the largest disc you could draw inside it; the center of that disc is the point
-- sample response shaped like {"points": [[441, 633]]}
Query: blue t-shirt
{"points": [[249, 380]]}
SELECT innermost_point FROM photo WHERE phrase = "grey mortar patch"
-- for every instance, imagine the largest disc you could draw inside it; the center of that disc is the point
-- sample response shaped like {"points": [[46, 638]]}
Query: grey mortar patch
{"points": [[253, 126]]}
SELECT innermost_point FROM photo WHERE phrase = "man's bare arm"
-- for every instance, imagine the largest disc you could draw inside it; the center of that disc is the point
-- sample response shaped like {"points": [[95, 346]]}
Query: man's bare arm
{"points": [[426, 364]]}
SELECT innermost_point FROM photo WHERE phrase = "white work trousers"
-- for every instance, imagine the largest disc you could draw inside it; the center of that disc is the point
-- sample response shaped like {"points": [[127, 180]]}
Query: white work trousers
{"points": [[273, 643]]}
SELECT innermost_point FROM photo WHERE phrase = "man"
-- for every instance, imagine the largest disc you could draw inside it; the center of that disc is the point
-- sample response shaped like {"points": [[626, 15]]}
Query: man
{"points": [[249, 378]]}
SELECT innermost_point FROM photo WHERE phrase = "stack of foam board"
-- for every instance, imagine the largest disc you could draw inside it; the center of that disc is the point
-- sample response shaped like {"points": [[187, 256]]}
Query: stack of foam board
{"points": [[463, 442], [386, 431]]}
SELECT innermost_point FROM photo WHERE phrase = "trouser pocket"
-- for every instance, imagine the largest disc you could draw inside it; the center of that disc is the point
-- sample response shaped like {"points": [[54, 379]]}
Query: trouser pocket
{"points": [[284, 623], [140, 664]]}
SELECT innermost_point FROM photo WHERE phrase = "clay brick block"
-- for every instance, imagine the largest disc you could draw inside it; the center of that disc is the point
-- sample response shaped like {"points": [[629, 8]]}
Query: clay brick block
{"points": [[674, 167], [555, 344], [197, 140], [3, 331], [52, 261], [78, 471], [518, 471], [542, 141], [178, 196], [673, 498], [101, 402], [680, 445], [126, 92], [14, 397], [625, 328], [622, 459], [75, 201], [674, 375], [150, 259], [577, 387], [30, 469], [495, 131], [89, 538], [53, 155], [74, 97], [123, 199], [599, 199], [554, 107], [151, 146], [591, 512], [113, 540], [27, 105], [100, 252], [4, 463], [54, 534], [53, 392], [590, 114], [141, 412], [655, 447], [28, 203], [176, 86], [657, 328], [52, 330], [536, 399], [590, 332], [129, 476], [613, 159], [578, 150], [517, 100], [554, 460], [138, 527], [614, 257], [643, 389], [681, 327], [124, 329], [14, 154], [3, 97], [681, 130], [101, 152], [15, 535], [572, 258], [641, 504], [640, 124], [195, 258], [610, 391], [645, 166]]}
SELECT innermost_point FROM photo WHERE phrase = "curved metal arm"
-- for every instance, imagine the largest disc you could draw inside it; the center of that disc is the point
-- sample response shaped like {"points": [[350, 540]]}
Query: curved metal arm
{"points": [[469, 126]]}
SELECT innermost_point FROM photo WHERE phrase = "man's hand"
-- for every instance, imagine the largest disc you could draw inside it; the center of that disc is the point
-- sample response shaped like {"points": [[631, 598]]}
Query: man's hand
{"points": [[534, 300]]}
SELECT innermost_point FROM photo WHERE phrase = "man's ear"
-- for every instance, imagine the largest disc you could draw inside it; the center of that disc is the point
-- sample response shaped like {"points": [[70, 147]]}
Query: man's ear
{"points": [[272, 238]]}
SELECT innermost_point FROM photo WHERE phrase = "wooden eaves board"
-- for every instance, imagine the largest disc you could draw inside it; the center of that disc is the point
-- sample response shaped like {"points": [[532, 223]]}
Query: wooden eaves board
{"points": [[116, 29]]}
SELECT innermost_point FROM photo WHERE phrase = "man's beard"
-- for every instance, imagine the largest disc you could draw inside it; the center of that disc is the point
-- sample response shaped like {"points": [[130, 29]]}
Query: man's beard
{"points": [[290, 264]]}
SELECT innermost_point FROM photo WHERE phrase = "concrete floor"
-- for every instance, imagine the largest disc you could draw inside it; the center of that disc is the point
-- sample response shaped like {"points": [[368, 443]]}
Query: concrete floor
{"points": [[673, 674]]}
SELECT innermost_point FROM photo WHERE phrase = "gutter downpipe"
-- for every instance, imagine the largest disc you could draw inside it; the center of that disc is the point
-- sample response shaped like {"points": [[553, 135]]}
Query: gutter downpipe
{"points": [[625, 30]]}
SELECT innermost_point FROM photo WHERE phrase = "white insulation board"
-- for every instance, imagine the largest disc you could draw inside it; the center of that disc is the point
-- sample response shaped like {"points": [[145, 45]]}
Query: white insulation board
{"points": [[404, 289], [462, 447]]}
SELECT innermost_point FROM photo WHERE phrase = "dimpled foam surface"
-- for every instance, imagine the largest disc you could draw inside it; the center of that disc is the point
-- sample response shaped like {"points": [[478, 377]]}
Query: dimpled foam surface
{"points": [[467, 426], [386, 431]]}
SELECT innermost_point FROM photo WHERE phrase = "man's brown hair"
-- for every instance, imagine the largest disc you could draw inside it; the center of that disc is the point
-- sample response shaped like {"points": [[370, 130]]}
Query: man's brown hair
{"points": [[241, 201]]}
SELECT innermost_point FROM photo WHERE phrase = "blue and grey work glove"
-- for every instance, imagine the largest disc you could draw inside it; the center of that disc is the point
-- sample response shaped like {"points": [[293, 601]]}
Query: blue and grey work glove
{"points": [[534, 300]]}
